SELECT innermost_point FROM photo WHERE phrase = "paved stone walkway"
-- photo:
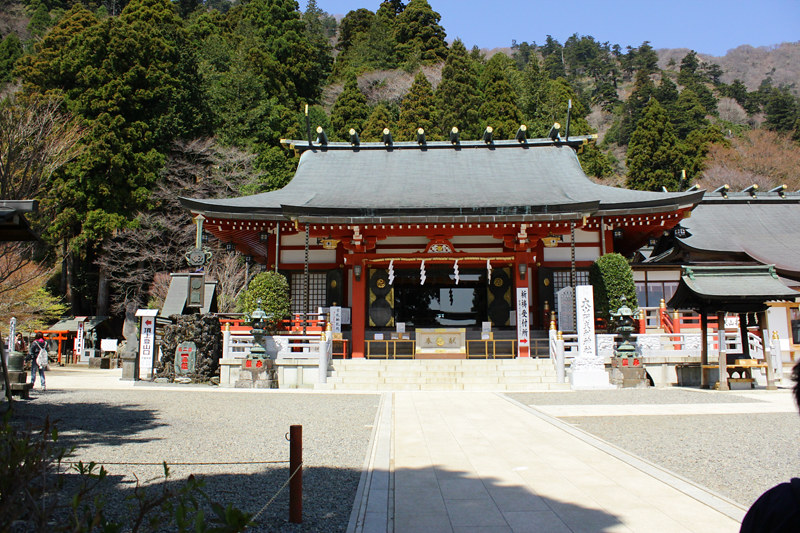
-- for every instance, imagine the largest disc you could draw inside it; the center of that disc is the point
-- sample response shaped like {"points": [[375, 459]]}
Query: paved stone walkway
{"points": [[470, 462], [481, 462]]}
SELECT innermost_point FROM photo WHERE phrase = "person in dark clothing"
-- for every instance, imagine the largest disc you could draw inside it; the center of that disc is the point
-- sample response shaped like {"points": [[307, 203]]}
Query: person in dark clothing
{"points": [[778, 509], [37, 346]]}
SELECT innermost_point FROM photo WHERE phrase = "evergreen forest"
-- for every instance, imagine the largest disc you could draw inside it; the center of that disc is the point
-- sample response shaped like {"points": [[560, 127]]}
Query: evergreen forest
{"points": [[112, 110]]}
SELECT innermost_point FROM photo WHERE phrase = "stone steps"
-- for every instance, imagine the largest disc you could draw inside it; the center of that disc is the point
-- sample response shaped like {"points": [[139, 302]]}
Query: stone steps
{"points": [[444, 375]]}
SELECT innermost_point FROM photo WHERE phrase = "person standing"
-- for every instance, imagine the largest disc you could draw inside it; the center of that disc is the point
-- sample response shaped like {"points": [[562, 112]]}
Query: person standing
{"points": [[37, 346], [19, 343]]}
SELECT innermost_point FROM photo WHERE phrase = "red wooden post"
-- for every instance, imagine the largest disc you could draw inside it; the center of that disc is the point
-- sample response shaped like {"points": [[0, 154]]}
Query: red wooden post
{"points": [[642, 321], [358, 314], [296, 471]]}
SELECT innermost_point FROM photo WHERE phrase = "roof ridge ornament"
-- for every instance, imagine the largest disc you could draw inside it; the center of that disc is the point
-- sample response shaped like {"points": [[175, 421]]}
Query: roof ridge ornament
{"points": [[421, 136], [354, 138], [723, 190], [454, 137], [322, 139], [780, 189], [522, 134], [487, 135]]}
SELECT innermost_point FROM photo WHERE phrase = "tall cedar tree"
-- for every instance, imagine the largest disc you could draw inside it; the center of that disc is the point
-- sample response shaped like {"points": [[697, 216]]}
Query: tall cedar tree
{"points": [[643, 89], [457, 96], [499, 108], [353, 24], [532, 88], [782, 110], [317, 32], [418, 110], [654, 155], [378, 119], [349, 111], [133, 81], [286, 57], [688, 114], [667, 93], [10, 51], [419, 35]]}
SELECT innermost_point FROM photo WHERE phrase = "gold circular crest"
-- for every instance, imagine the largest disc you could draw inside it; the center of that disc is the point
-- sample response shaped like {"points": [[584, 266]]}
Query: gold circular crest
{"points": [[439, 341], [333, 284], [498, 282], [381, 283], [546, 282]]}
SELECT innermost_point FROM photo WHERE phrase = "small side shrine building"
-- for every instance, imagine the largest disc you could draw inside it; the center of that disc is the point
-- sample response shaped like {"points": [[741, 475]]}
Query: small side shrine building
{"points": [[458, 235]]}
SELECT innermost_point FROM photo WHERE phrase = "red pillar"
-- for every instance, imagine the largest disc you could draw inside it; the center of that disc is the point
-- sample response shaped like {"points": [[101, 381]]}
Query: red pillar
{"points": [[358, 314]]}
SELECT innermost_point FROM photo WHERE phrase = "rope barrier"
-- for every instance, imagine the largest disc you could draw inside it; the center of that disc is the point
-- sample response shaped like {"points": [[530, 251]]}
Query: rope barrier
{"points": [[296, 470], [182, 464]]}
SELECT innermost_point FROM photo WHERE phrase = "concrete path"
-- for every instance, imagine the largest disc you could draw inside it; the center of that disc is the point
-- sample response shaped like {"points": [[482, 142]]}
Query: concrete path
{"points": [[481, 462], [470, 462]]}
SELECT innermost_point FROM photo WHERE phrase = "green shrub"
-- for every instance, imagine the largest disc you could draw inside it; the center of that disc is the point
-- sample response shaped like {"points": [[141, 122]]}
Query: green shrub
{"points": [[270, 292], [612, 277]]}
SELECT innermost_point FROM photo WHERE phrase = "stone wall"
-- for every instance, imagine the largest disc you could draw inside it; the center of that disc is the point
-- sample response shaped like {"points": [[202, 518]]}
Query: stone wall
{"points": [[205, 332]]}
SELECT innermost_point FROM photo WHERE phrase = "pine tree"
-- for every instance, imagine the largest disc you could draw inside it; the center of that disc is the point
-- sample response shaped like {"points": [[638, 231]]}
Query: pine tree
{"points": [[499, 108], [417, 110], [10, 51], [643, 89], [782, 110], [457, 96], [419, 35], [646, 59], [532, 88], [354, 24], [654, 156], [349, 111], [379, 119], [666, 93], [689, 114], [688, 73]]}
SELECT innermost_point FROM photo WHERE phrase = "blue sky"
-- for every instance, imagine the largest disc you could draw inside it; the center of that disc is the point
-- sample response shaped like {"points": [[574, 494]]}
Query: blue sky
{"points": [[707, 26]]}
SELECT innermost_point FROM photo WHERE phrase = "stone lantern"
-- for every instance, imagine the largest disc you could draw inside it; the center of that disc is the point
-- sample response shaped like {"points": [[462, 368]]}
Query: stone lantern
{"points": [[626, 367], [258, 363]]}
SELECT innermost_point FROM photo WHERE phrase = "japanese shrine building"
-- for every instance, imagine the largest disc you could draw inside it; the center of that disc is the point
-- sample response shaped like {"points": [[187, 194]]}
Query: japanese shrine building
{"points": [[439, 234]]}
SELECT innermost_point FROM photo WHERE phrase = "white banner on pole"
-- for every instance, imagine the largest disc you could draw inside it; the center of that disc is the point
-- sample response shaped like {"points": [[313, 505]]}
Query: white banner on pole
{"points": [[147, 342], [523, 322]]}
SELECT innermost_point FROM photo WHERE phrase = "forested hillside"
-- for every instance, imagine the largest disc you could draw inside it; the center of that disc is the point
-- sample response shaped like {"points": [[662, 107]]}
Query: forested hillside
{"points": [[124, 105]]}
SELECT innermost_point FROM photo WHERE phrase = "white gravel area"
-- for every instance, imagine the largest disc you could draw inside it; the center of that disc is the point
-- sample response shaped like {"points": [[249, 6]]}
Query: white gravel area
{"points": [[736, 455], [149, 425]]}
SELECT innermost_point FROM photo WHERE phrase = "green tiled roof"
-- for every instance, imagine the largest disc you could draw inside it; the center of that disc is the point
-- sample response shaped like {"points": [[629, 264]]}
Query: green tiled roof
{"points": [[532, 182], [736, 289]]}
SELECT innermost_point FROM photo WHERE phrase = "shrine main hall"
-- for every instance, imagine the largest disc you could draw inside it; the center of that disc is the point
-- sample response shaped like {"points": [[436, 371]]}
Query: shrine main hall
{"points": [[469, 237]]}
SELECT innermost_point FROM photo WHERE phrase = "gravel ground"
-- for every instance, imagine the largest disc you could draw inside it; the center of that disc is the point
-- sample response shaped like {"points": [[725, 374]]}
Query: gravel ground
{"points": [[738, 456], [151, 425]]}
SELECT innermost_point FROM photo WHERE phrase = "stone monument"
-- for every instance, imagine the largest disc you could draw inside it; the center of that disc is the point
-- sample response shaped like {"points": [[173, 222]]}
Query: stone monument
{"points": [[588, 371]]}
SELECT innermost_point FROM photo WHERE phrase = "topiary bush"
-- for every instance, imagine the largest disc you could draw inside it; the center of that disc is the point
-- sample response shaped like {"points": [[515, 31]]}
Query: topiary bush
{"points": [[611, 277], [272, 290]]}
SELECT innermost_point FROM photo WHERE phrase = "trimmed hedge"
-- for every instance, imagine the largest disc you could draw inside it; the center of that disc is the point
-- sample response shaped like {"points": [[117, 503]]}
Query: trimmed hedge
{"points": [[612, 277]]}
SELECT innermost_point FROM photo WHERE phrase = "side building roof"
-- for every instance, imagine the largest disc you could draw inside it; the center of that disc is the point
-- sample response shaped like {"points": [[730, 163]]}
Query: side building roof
{"points": [[765, 228], [537, 180]]}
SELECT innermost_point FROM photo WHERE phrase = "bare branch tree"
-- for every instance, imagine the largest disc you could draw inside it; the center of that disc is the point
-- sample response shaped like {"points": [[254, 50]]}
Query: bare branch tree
{"points": [[134, 257], [37, 137]]}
